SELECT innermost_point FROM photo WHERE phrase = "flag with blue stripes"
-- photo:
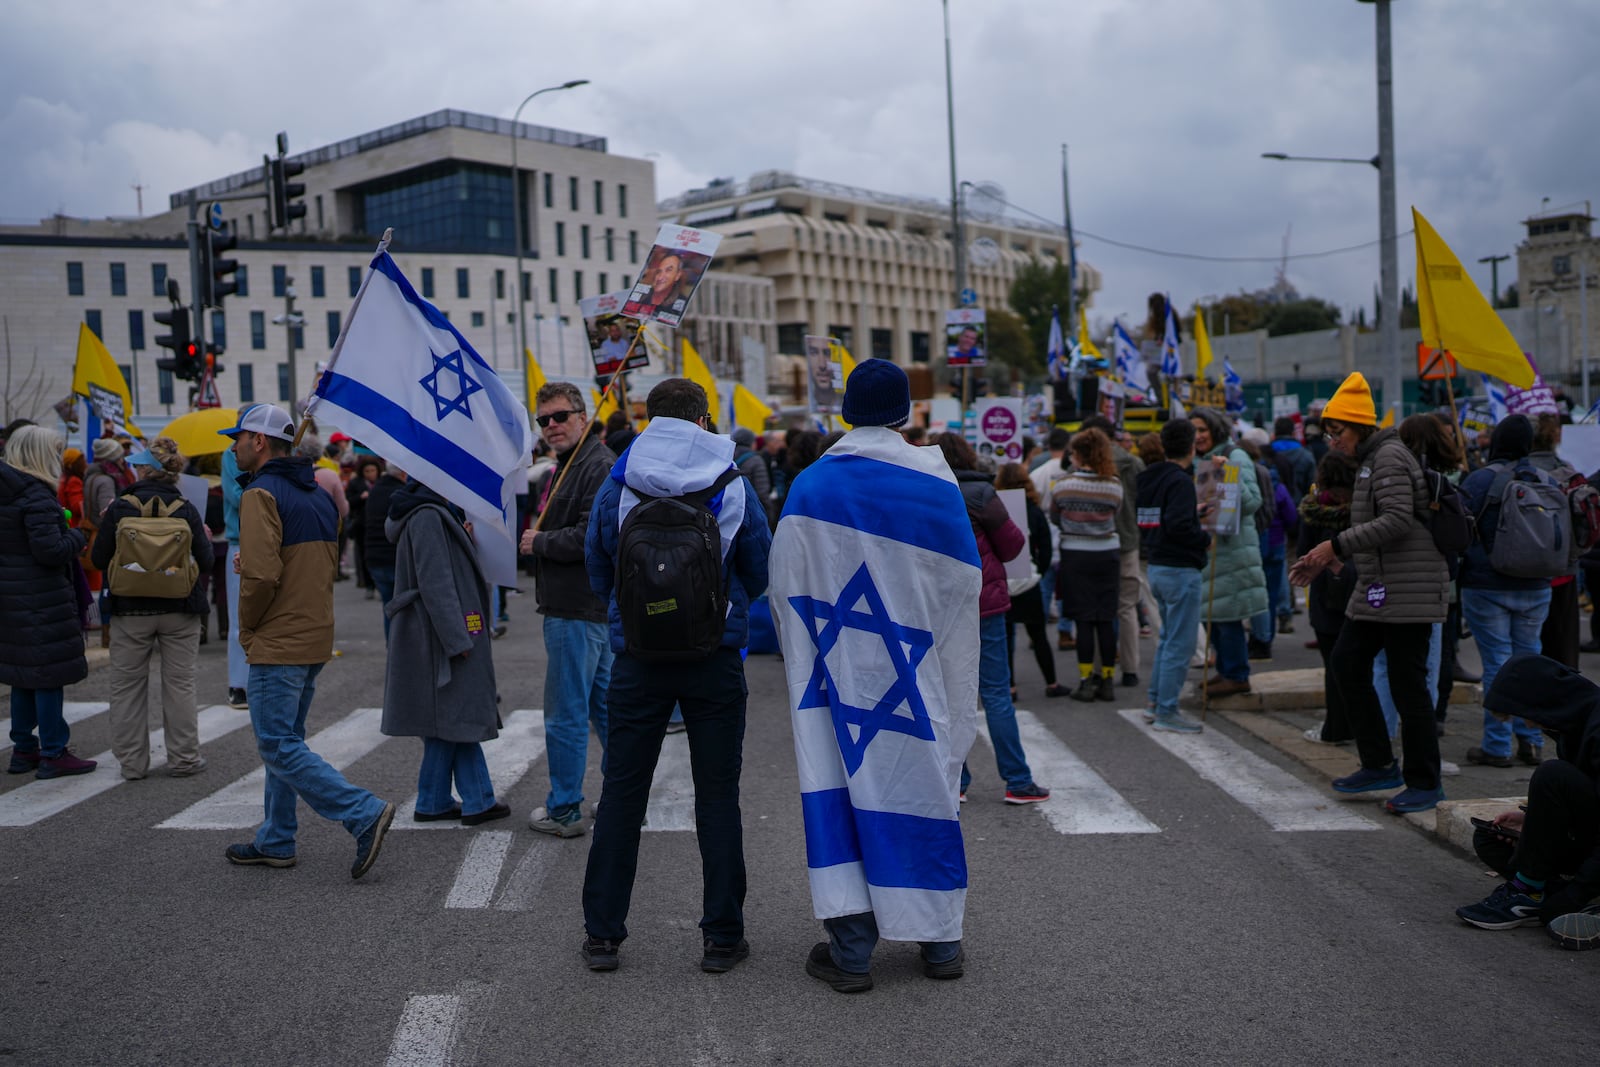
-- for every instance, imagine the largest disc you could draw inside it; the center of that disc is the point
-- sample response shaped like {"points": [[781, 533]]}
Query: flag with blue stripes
{"points": [[1170, 366], [1496, 392], [1129, 360], [874, 588], [405, 383], [1233, 387], [1056, 349]]}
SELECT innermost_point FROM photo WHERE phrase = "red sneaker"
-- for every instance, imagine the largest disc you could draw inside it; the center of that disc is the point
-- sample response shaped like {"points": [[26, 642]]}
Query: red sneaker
{"points": [[64, 764]]}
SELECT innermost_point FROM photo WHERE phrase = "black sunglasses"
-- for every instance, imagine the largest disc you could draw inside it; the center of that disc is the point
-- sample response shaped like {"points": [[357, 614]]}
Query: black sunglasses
{"points": [[554, 416]]}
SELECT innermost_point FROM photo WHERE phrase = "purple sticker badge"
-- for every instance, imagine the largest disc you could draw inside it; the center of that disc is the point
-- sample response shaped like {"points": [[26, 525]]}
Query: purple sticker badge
{"points": [[1377, 595]]}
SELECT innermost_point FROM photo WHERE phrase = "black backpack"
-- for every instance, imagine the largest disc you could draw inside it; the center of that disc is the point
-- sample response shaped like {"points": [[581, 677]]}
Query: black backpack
{"points": [[671, 592], [1447, 518]]}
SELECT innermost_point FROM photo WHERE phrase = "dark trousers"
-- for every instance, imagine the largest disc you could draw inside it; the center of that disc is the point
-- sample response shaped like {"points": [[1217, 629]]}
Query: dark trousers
{"points": [[1336, 727], [1559, 830], [712, 694], [1449, 644], [1591, 581], [1359, 643], [1558, 638], [1097, 632], [1028, 610]]}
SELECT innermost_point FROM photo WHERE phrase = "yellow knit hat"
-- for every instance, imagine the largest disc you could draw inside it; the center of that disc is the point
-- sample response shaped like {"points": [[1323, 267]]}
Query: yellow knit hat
{"points": [[1352, 403]]}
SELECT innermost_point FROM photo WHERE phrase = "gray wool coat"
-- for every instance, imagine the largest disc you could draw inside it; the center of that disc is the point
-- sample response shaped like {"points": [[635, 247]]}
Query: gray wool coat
{"points": [[1400, 575], [440, 613]]}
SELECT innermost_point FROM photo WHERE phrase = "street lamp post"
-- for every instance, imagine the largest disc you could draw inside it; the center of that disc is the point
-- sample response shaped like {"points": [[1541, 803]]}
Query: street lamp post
{"points": [[516, 203]]}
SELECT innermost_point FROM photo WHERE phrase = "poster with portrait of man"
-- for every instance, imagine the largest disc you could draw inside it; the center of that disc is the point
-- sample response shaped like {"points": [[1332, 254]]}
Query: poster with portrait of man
{"points": [[965, 334], [824, 375], [611, 334], [672, 270]]}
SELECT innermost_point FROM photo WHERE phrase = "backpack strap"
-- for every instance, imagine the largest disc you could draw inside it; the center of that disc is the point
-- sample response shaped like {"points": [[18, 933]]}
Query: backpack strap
{"points": [[703, 496]]}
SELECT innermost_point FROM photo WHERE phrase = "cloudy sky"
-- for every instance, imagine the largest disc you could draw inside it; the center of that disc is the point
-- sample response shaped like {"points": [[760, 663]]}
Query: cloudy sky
{"points": [[1166, 105]]}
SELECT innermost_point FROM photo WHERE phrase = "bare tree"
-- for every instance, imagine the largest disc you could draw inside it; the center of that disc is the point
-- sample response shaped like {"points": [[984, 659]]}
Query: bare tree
{"points": [[23, 396]]}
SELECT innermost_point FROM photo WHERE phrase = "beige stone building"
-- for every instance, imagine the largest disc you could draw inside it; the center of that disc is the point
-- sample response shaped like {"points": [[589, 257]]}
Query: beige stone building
{"points": [[1558, 286]]}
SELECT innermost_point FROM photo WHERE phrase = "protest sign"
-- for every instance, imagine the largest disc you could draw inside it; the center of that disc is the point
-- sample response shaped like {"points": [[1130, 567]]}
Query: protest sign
{"points": [[1217, 494], [824, 375], [999, 422], [1019, 566], [672, 270], [611, 334], [965, 332]]}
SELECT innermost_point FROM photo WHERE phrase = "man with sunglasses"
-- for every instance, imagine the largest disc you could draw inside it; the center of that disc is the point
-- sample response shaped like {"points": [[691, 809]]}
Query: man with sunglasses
{"points": [[575, 639]]}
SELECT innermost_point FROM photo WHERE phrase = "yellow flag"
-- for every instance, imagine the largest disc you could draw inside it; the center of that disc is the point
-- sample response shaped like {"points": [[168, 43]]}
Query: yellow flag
{"points": [[1202, 344], [603, 408], [534, 375], [748, 410], [1388, 419], [95, 368], [695, 369], [1086, 346], [1456, 318], [847, 363]]}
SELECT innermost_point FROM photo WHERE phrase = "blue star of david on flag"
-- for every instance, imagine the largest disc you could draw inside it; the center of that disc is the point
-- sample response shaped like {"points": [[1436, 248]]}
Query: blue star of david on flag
{"points": [[906, 646], [466, 385]]}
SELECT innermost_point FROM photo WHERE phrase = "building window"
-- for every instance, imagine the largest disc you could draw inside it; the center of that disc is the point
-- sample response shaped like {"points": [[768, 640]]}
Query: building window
{"points": [[219, 328], [599, 197], [622, 200], [583, 240], [135, 329], [477, 320], [561, 238], [463, 288], [280, 280], [427, 283], [333, 328], [602, 285], [250, 225], [919, 347], [299, 333], [247, 383], [527, 286], [572, 192], [91, 319], [577, 285], [549, 189], [319, 283], [354, 279], [163, 386], [126, 370], [633, 247], [611, 245], [553, 290], [283, 383], [882, 343], [319, 211], [499, 284], [258, 329], [119, 279], [792, 337], [74, 279], [158, 279], [242, 277]]}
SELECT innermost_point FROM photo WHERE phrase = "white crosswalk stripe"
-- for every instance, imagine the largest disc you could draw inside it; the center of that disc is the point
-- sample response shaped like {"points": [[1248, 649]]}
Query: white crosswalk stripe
{"points": [[1284, 801], [41, 799], [519, 746], [479, 872], [1081, 802], [672, 791], [237, 806], [78, 710], [427, 1032]]}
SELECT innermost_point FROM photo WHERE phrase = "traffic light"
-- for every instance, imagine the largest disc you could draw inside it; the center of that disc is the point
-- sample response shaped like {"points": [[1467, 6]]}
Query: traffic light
{"points": [[216, 273], [283, 193], [185, 362], [213, 360]]}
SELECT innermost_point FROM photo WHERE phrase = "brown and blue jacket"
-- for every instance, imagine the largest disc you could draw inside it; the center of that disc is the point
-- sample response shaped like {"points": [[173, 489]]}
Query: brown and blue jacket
{"points": [[288, 555]]}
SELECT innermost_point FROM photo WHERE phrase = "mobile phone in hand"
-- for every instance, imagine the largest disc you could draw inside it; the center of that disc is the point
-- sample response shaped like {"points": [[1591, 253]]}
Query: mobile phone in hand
{"points": [[1507, 832]]}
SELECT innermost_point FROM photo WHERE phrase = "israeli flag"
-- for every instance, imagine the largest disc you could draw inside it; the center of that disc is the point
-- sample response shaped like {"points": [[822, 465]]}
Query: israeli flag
{"points": [[1129, 363], [405, 383], [1170, 367], [1497, 398], [874, 589], [1233, 387], [1055, 348]]}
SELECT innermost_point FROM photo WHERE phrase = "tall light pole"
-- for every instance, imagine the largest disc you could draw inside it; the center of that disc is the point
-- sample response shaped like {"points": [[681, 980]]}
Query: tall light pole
{"points": [[1388, 266], [516, 203], [955, 193]]}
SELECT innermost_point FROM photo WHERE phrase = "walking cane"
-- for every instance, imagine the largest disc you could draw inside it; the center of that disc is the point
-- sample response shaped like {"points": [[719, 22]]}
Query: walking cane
{"points": [[1211, 596]]}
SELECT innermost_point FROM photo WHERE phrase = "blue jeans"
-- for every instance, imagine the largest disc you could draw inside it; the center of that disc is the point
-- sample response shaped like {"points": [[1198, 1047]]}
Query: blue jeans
{"points": [[383, 578], [1178, 595], [238, 666], [1264, 627], [853, 937], [712, 693], [994, 687], [575, 682], [460, 761], [1047, 590], [1504, 622], [1380, 679], [280, 697], [39, 709], [1233, 654]]}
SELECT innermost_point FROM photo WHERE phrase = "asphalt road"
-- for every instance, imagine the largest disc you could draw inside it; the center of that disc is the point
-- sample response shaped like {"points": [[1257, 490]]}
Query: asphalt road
{"points": [[1208, 937]]}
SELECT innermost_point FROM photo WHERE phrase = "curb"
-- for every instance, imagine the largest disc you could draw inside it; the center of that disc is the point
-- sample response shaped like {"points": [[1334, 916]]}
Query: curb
{"points": [[1296, 690]]}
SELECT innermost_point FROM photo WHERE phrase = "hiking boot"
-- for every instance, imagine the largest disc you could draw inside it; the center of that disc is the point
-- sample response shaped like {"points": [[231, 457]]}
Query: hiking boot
{"points": [[495, 811], [1260, 649], [1529, 753], [62, 765], [1408, 801], [24, 762], [599, 954], [1285, 626], [1065, 643], [954, 967], [1129, 679], [1578, 931], [1227, 687], [1370, 781], [568, 823], [1086, 690], [1177, 724], [1105, 688], [1507, 908], [820, 965], [248, 855], [720, 959], [370, 841], [1486, 759], [237, 699], [1032, 793]]}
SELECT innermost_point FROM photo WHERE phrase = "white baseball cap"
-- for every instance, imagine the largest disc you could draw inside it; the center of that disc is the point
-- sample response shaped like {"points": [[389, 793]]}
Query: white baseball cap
{"points": [[263, 418]]}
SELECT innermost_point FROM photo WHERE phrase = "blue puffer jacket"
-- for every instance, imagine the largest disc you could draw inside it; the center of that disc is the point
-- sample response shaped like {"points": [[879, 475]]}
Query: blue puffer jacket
{"points": [[673, 457], [41, 646]]}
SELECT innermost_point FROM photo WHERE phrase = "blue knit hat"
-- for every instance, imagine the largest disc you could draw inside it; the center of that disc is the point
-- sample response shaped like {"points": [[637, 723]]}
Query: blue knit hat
{"points": [[877, 394]]}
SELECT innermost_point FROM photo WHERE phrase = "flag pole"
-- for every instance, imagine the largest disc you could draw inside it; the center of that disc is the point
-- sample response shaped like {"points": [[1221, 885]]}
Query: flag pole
{"points": [[1450, 395], [1205, 668], [338, 344]]}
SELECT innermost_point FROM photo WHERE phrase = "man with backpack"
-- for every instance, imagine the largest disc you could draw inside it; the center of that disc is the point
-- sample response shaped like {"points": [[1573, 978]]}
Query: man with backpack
{"points": [[575, 641], [677, 545], [1559, 638], [1524, 539]]}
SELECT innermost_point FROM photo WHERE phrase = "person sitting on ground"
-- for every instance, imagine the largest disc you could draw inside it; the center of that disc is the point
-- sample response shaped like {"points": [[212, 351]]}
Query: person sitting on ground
{"points": [[1549, 854]]}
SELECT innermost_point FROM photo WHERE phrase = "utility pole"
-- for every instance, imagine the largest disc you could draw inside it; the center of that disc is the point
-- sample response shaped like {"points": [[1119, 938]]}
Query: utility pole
{"points": [[1389, 265], [1072, 253], [1494, 277]]}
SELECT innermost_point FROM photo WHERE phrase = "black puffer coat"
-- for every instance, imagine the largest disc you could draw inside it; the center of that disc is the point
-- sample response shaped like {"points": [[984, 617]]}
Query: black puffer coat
{"points": [[41, 646]]}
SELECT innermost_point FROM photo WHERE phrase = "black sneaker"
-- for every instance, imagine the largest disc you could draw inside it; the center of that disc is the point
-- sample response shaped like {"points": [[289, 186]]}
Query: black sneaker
{"points": [[1129, 679], [599, 954], [237, 699], [951, 968], [1529, 753], [247, 855], [820, 965], [1032, 793], [720, 959], [370, 840], [1105, 689], [1086, 690]]}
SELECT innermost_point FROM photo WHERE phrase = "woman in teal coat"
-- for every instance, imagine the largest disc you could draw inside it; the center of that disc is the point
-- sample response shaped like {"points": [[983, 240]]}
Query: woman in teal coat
{"points": [[1239, 590]]}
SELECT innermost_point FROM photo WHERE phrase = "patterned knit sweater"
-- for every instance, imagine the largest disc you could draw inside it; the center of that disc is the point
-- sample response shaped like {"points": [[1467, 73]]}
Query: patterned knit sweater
{"points": [[1084, 507]]}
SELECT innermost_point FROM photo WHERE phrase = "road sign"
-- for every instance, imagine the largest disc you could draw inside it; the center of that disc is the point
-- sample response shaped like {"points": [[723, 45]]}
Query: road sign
{"points": [[1434, 364], [216, 216], [969, 297]]}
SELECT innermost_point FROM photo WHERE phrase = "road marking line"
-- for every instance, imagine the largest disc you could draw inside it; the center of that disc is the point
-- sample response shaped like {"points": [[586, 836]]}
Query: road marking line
{"points": [[427, 1031], [43, 798], [1284, 801], [78, 710], [480, 870], [672, 791], [1081, 802], [519, 746], [529, 876], [237, 806]]}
